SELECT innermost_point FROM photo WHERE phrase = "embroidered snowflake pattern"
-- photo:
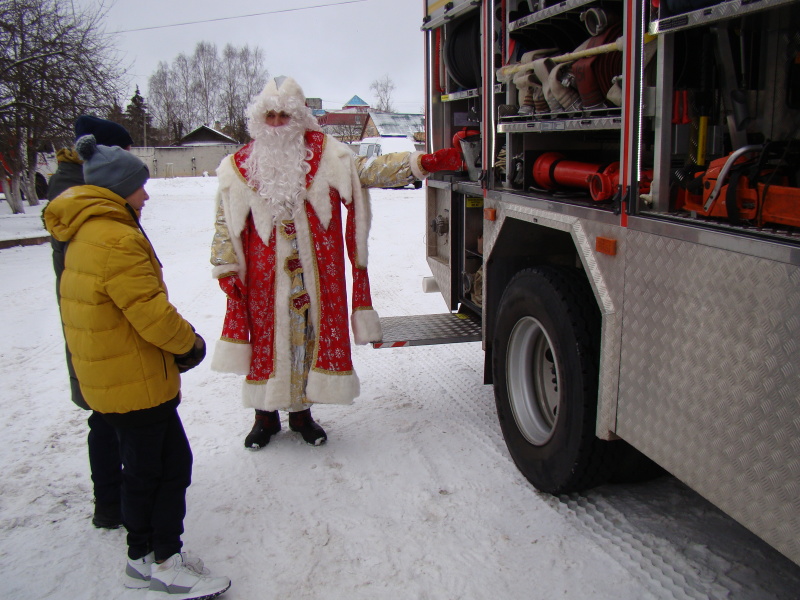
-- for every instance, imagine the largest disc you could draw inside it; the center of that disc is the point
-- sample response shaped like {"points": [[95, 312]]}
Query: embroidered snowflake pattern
{"points": [[260, 301]]}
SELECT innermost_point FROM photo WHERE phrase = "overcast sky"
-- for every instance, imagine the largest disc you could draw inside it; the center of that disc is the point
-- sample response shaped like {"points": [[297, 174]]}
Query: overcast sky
{"points": [[334, 51]]}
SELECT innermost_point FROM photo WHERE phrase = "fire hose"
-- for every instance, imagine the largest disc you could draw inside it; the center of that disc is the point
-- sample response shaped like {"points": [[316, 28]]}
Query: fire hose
{"points": [[505, 74]]}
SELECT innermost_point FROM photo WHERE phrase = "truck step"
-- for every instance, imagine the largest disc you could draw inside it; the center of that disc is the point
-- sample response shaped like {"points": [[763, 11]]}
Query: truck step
{"points": [[426, 330]]}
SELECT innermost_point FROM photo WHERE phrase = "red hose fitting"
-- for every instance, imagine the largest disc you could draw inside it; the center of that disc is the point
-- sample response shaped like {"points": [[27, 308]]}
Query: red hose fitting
{"points": [[552, 171], [602, 185]]}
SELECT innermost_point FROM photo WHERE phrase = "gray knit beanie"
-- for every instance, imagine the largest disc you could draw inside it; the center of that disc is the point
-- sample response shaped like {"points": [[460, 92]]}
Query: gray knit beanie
{"points": [[111, 167]]}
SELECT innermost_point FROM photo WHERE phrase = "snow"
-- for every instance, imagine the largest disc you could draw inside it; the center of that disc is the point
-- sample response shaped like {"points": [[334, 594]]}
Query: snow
{"points": [[21, 227], [413, 497]]}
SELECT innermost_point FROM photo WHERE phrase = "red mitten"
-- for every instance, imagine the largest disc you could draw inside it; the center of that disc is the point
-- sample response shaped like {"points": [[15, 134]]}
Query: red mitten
{"points": [[233, 287], [446, 159]]}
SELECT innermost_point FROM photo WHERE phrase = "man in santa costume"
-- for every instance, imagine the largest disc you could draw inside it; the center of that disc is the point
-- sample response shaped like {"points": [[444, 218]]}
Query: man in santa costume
{"points": [[279, 255]]}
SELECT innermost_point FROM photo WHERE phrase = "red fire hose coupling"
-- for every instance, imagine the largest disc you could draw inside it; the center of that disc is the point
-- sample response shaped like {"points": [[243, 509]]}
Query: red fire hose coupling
{"points": [[552, 171]]}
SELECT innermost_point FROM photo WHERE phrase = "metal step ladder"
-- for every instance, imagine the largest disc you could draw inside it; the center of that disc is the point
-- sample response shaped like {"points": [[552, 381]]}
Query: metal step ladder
{"points": [[426, 330]]}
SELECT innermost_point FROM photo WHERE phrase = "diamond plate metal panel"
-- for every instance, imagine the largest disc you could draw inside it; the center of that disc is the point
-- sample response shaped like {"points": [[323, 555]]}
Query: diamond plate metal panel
{"points": [[710, 377], [423, 330], [607, 279]]}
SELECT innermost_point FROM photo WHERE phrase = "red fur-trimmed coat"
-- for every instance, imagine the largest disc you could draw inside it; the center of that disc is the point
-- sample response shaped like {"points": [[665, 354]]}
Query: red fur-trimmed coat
{"points": [[248, 242]]}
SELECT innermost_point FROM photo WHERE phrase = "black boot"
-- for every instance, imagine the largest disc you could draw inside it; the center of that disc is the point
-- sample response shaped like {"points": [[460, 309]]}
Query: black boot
{"points": [[107, 516], [303, 423], [267, 424]]}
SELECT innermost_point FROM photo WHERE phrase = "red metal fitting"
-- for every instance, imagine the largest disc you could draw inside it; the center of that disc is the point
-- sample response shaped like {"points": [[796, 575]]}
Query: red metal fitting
{"points": [[602, 185], [551, 171]]}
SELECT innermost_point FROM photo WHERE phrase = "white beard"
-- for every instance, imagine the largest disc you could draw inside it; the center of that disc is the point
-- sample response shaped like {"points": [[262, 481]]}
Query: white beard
{"points": [[277, 166]]}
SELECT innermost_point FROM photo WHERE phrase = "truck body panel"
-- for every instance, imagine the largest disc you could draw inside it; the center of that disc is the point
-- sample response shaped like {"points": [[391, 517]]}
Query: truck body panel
{"points": [[672, 198]]}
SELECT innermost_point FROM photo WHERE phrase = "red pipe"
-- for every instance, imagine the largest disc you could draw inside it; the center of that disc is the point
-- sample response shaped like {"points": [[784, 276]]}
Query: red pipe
{"points": [[552, 171]]}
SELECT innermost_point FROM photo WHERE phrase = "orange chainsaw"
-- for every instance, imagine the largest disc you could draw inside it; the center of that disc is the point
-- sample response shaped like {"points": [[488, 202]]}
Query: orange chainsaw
{"points": [[754, 183]]}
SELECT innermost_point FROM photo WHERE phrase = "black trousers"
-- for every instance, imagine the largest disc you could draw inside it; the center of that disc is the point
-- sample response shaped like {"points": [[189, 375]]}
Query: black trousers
{"points": [[157, 469], [104, 461]]}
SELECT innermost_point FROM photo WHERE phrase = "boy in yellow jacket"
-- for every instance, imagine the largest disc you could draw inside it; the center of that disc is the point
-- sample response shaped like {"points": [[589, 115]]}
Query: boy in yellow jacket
{"points": [[128, 345]]}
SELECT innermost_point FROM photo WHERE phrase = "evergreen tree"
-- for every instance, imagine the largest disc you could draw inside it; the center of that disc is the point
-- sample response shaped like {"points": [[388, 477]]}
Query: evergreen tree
{"points": [[138, 119], [116, 114]]}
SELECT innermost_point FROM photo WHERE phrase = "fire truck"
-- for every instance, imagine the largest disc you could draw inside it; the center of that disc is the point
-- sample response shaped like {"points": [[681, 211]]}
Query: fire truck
{"points": [[624, 239]]}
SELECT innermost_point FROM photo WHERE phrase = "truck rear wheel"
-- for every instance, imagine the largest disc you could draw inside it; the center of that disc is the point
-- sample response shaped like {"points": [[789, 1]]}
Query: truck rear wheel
{"points": [[545, 366]]}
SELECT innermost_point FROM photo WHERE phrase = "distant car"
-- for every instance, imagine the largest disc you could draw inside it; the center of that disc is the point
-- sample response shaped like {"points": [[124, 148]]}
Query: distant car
{"points": [[376, 146]]}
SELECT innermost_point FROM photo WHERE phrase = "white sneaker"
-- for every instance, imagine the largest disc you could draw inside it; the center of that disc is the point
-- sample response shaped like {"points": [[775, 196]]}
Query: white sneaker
{"points": [[179, 579], [137, 572]]}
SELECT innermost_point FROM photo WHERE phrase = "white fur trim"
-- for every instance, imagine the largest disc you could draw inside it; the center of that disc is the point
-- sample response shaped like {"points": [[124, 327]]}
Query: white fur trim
{"points": [[240, 200], [336, 167], [221, 270], [361, 204], [281, 332], [308, 259], [234, 194], [366, 326], [231, 357], [272, 394], [416, 167], [324, 388]]}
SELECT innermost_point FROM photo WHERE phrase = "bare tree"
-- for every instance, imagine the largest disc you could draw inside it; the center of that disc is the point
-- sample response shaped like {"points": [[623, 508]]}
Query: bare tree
{"points": [[206, 67], [163, 97], [255, 75], [383, 89], [242, 77], [55, 63], [186, 110], [207, 88], [253, 78], [231, 101]]}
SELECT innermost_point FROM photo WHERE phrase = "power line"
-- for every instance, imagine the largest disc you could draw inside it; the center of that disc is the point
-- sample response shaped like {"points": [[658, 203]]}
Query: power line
{"points": [[271, 12]]}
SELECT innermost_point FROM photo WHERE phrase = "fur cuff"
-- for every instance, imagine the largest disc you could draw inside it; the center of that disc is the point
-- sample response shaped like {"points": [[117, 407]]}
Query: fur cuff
{"points": [[416, 166], [366, 326], [231, 357], [331, 388], [265, 395], [224, 270]]}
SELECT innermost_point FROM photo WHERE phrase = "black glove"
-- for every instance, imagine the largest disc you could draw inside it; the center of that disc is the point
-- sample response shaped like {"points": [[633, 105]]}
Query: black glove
{"points": [[193, 357]]}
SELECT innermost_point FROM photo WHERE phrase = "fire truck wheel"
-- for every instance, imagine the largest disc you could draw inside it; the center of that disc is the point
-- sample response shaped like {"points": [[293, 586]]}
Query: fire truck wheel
{"points": [[545, 367]]}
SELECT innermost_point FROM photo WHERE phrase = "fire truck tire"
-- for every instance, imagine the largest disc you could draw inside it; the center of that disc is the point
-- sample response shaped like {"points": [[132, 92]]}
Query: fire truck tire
{"points": [[546, 349]]}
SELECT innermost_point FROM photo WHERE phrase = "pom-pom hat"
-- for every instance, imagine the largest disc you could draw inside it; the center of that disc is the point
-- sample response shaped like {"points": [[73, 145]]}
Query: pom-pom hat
{"points": [[107, 133], [111, 167]]}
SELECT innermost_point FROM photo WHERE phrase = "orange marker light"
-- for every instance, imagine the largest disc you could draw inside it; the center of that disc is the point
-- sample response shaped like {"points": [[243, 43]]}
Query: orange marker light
{"points": [[606, 245]]}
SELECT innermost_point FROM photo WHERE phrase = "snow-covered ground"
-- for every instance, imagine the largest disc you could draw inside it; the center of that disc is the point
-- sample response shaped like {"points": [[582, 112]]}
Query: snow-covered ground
{"points": [[413, 497]]}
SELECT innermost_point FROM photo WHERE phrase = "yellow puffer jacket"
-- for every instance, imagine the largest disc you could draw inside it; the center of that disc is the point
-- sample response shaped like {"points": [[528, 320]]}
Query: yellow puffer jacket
{"points": [[120, 327]]}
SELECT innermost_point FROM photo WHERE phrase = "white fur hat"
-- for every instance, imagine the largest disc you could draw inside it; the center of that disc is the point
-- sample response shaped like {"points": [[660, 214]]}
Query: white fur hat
{"points": [[284, 87], [280, 94]]}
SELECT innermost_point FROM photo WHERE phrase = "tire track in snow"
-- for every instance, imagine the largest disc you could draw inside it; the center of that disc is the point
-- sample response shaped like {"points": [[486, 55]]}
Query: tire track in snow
{"points": [[599, 520], [653, 558]]}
